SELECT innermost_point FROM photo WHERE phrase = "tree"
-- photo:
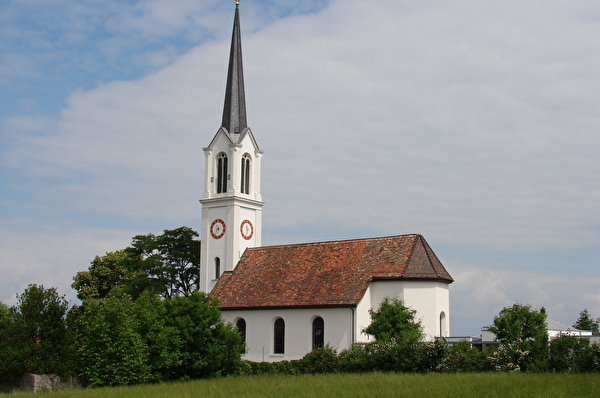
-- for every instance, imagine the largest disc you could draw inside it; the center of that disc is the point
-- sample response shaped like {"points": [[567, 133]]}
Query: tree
{"points": [[112, 351], [167, 264], [126, 341], [171, 261], [586, 322], [106, 273], [10, 368], [523, 329], [40, 339], [520, 322], [393, 320], [209, 346]]}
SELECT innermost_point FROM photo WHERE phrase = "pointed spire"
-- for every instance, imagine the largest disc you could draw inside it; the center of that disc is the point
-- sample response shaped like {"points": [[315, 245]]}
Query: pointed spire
{"points": [[234, 111]]}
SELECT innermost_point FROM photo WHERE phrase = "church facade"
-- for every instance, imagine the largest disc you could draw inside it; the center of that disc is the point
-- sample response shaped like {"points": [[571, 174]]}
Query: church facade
{"points": [[287, 300]]}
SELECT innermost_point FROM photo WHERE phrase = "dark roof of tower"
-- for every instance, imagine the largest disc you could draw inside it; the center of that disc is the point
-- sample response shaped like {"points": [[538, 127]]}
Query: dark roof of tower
{"points": [[234, 110], [325, 274]]}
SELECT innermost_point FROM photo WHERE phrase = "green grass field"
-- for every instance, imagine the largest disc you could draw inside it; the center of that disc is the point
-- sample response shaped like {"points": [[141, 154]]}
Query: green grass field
{"points": [[501, 385]]}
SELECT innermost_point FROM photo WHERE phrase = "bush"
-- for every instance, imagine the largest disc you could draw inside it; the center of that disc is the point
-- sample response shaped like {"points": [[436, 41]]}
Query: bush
{"points": [[510, 356], [320, 360], [574, 354], [461, 357]]}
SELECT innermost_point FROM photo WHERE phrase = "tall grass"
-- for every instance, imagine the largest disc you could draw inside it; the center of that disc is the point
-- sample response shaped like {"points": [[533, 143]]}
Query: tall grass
{"points": [[501, 385]]}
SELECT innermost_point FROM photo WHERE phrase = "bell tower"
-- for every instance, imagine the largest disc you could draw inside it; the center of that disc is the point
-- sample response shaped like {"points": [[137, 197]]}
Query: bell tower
{"points": [[231, 202]]}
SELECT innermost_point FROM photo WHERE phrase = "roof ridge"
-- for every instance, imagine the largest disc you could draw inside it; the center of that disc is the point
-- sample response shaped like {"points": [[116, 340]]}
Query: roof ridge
{"points": [[425, 247], [327, 242]]}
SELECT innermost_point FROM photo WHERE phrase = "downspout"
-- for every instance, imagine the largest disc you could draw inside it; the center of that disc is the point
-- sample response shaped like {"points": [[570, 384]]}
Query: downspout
{"points": [[353, 323]]}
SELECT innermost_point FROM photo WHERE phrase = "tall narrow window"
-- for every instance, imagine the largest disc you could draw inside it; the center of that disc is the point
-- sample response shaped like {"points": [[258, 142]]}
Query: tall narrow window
{"points": [[241, 327], [245, 188], [279, 340], [221, 173], [217, 267], [443, 324], [318, 334]]}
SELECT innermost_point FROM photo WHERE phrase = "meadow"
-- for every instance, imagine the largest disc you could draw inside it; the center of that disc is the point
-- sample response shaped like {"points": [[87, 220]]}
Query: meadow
{"points": [[504, 385]]}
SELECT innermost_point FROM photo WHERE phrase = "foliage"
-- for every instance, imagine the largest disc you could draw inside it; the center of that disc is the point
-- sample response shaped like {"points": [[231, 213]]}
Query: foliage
{"points": [[523, 331], [114, 269], [462, 357], [113, 352], [511, 356], [209, 347], [320, 360], [166, 264], [9, 364], [126, 341], [392, 355], [586, 322], [35, 335], [393, 320], [171, 261], [574, 354], [163, 341], [520, 323]]}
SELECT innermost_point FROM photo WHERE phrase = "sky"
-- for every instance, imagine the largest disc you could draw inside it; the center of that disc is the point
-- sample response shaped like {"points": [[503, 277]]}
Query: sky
{"points": [[475, 124]]}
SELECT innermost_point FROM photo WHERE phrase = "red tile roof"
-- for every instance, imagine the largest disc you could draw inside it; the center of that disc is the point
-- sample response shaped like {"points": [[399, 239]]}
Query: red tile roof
{"points": [[325, 273]]}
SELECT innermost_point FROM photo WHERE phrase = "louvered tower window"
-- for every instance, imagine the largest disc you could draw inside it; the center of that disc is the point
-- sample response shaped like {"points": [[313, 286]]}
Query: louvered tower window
{"points": [[245, 188], [221, 173]]}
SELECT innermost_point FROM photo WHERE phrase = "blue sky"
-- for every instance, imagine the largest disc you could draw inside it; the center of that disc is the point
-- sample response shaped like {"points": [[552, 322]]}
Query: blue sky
{"points": [[473, 124]]}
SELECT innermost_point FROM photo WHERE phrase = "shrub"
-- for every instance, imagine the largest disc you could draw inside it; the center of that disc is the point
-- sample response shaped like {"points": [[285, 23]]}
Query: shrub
{"points": [[320, 360], [461, 357], [510, 357]]}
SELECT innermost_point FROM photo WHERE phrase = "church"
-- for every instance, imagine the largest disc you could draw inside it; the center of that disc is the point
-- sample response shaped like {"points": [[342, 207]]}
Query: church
{"points": [[287, 300]]}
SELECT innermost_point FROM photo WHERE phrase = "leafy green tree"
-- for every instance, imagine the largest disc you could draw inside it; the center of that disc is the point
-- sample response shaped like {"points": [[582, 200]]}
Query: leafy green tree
{"points": [[163, 341], [112, 351], [209, 346], [114, 269], [520, 322], [567, 353], [171, 261], [10, 365], [393, 320], [523, 329], [586, 322], [34, 334]]}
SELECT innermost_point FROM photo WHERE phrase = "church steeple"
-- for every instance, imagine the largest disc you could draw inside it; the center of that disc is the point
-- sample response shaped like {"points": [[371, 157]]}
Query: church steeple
{"points": [[231, 202], [234, 110]]}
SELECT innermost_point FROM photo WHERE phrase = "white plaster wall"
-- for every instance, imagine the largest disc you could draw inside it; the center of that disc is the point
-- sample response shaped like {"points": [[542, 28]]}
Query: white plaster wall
{"points": [[298, 330], [363, 318], [428, 298]]}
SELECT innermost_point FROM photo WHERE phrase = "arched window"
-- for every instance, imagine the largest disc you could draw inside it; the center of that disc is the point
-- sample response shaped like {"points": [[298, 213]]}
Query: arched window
{"points": [[279, 337], [241, 327], [443, 331], [221, 173], [318, 333], [245, 188], [217, 267]]}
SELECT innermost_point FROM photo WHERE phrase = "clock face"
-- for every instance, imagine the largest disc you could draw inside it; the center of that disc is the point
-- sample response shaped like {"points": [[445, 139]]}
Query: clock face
{"points": [[247, 229], [217, 228]]}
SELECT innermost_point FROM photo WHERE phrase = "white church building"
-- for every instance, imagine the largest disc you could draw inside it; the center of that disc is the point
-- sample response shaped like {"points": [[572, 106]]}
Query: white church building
{"points": [[288, 299]]}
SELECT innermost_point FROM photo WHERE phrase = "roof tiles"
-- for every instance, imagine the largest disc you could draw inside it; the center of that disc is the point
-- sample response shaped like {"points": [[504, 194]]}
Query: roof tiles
{"points": [[324, 273]]}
